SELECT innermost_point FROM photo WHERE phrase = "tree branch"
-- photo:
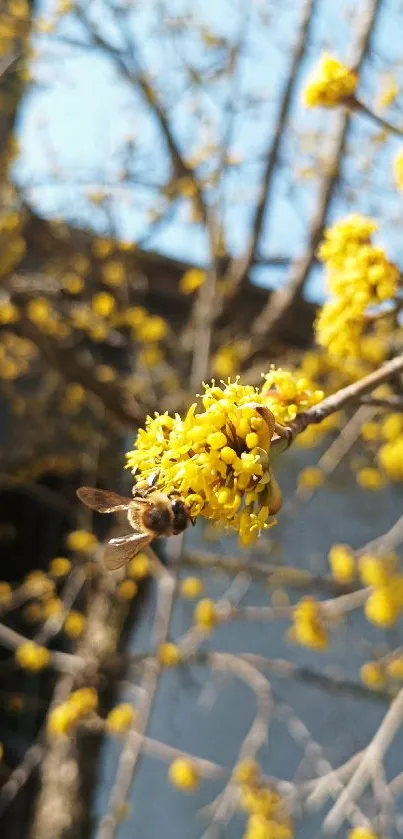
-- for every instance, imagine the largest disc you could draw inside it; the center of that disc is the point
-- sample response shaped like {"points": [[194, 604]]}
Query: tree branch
{"points": [[239, 269], [116, 400], [343, 397], [269, 321]]}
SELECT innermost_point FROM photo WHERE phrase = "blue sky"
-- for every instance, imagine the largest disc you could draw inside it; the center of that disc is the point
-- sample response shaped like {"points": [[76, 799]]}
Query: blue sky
{"points": [[81, 122]]}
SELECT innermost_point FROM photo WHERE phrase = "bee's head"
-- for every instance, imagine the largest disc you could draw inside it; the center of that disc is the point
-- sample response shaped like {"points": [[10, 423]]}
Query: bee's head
{"points": [[181, 515]]}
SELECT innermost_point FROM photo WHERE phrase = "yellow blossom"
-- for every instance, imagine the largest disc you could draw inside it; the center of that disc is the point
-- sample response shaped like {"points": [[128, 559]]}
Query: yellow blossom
{"points": [[73, 283], [191, 587], [362, 833], [120, 718], [38, 584], [31, 656], [102, 247], [394, 668], [260, 827], [359, 275], [390, 458], [392, 427], [81, 541], [74, 624], [139, 567], [169, 655], [153, 329], [59, 567], [332, 83], [207, 457], [8, 312], [113, 274], [372, 674], [310, 478], [308, 629], [150, 356], [191, 280], [126, 590], [75, 393], [205, 614], [246, 771], [52, 607], [83, 700], [370, 478], [105, 373], [382, 607], [135, 316], [225, 361], [183, 775], [342, 563], [286, 394], [103, 304], [39, 311], [377, 570], [60, 720]]}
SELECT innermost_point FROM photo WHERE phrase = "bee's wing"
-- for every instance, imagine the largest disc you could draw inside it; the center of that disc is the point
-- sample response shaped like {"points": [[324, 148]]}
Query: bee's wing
{"points": [[102, 500], [121, 550]]}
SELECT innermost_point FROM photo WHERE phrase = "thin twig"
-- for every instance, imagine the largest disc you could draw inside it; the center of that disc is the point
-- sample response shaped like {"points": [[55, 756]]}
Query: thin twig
{"points": [[281, 302], [374, 752], [133, 744]]}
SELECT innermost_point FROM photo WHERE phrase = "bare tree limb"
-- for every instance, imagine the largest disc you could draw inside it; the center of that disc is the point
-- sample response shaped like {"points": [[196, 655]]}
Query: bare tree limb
{"points": [[239, 269]]}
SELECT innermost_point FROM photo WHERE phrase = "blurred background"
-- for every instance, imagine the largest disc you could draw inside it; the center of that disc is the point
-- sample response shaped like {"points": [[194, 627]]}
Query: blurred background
{"points": [[162, 196]]}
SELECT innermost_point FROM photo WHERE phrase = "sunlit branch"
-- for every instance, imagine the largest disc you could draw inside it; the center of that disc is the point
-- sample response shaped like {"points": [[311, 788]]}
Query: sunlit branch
{"points": [[238, 271], [269, 321]]}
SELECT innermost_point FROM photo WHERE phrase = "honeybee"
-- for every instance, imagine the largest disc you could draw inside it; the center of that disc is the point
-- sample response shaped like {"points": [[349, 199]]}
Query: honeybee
{"points": [[149, 515]]}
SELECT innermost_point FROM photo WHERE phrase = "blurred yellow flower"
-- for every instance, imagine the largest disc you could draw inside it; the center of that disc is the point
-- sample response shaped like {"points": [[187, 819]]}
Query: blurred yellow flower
{"points": [[191, 280], [331, 83]]}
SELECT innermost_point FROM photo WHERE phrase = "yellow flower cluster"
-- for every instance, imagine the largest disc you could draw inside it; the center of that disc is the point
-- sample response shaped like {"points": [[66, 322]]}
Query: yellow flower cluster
{"points": [[37, 584], [191, 280], [16, 355], [342, 563], [390, 458], [332, 83], [74, 624], [379, 674], [359, 276], [31, 656], [267, 816], [217, 457], [191, 587], [370, 478], [183, 775], [308, 628], [205, 614], [59, 567], [226, 361], [63, 718], [287, 394], [126, 590], [81, 541], [310, 478], [120, 718], [139, 567], [169, 654], [362, 833], [385, 602]]}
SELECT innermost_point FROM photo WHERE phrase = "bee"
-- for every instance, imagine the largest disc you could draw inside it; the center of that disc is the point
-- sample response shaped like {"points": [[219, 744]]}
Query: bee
{"points": [[150, 515]]}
